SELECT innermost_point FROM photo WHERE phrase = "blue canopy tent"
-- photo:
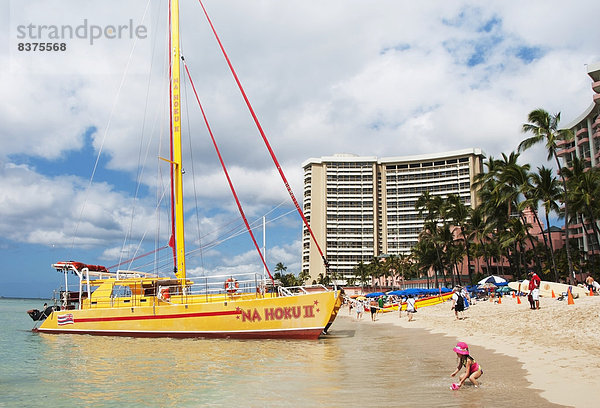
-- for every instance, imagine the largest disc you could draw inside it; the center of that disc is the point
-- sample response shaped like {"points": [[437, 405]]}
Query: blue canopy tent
{"points": [[374, 294]]}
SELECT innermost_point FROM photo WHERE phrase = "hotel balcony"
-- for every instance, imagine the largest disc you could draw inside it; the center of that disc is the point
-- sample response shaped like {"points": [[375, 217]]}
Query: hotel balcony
{"points": [[596, 86]]}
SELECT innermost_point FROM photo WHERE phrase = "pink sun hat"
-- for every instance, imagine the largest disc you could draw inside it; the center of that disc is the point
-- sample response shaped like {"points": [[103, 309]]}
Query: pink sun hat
{"points": [[461, 348]]}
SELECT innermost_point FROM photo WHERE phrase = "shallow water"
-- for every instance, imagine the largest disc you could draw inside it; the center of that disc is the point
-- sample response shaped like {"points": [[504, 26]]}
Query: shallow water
{"points": [[357, 364]]}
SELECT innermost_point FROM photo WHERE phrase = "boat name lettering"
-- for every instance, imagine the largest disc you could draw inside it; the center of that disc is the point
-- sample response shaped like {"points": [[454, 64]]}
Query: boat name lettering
{"points": [[279, 313]]}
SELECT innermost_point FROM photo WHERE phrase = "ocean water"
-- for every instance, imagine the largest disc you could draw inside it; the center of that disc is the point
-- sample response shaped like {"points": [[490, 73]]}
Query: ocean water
{"points": [[357, 365]]}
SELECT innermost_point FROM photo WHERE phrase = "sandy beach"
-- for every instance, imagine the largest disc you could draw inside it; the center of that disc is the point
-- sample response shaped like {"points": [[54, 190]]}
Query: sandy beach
{"points": [[558, 344]]}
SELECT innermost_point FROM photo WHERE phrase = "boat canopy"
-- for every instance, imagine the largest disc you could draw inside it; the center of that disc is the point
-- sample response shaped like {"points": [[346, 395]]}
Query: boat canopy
{"points": [[98, 271]]}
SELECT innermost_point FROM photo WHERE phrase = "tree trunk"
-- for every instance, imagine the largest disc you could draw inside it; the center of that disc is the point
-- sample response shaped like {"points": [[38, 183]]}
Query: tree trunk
{"points": [[551, 249], [530, 238], [571, 272], [549, 255], [590, 250]]}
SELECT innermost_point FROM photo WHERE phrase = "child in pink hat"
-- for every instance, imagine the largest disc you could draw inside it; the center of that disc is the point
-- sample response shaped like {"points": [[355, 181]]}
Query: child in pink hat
{"points": [[473, 369]]}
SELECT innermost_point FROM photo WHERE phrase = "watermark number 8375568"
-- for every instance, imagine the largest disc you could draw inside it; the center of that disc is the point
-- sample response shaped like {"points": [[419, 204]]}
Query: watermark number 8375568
{"points": [[41, 46]]}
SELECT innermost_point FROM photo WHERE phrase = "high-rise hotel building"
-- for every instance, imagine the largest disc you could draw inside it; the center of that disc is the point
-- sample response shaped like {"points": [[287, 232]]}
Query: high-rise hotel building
{"points": [[361, 207], [586, 147]]}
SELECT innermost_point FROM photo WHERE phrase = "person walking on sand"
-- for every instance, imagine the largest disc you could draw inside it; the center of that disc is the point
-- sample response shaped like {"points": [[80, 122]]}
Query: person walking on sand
{"points": [[534, 289], [589, 282], [411, 307], [360, 308], [381, 303], [472, 369], [466, 297], [458, 303], [373, 310], [400, 301]]}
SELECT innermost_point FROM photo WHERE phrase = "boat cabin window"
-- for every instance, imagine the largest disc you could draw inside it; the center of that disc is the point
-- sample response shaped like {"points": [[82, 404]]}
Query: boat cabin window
{"points": [[121, 291]]}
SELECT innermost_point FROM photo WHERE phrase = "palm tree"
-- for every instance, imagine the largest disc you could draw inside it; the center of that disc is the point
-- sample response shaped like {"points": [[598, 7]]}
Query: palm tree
{"points": [[515, 188], [547, 190], [280, 267], [584, 193], [323, 279], [426, 258], [481, 234], [392, 264], [544, 128], [460, 214], [361, 272], [303, 276], [376, 270]]}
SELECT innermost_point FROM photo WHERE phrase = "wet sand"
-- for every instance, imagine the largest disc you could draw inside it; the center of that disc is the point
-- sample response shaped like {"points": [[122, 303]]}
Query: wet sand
{"points": [[557, 345], [413, 368]]}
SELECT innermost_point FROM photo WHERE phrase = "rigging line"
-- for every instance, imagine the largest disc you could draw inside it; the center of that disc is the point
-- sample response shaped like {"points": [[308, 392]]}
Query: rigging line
{"points": [[264, 137], [274, 208], [110, 117], [142, 240], [140, 168], [136, 258], [239, 205], [223, 238], [185, 88], [162, 264], [281, 216], [234, 232]]}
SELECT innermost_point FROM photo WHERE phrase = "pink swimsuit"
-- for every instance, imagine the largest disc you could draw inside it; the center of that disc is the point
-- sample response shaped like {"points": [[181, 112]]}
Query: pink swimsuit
{"points": [[474, 367]]}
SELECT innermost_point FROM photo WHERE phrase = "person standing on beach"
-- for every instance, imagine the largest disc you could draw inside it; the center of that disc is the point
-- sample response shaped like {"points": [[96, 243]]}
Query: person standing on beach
{"points": [[458, 303], [360, 308], [373, 310], [472, 369], [534, 289], [465, 295], [589, 282], [400, 301], [411, 308]]}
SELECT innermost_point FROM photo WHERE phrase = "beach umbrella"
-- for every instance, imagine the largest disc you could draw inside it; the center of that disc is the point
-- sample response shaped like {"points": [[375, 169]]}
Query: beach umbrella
{"points": [[361, 298], [496, 280], [375, 294]]}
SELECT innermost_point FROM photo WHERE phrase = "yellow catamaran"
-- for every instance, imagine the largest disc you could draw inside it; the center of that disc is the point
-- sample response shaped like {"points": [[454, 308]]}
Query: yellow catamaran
{"points": [[133, 303]]}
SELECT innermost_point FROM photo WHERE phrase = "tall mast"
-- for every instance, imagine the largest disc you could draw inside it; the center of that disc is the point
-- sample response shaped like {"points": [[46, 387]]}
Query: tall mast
{"points": [[176, 132]]}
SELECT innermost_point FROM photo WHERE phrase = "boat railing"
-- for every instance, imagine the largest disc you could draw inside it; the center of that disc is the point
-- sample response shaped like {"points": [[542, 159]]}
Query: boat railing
{"points": [[230, 287], [300, 290]]}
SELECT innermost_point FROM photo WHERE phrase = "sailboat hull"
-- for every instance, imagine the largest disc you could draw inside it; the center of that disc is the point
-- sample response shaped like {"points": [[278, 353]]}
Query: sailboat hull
{"points": [[302, 316]]}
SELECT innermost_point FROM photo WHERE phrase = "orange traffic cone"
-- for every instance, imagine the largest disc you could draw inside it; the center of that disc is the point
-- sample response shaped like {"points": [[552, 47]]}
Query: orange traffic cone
{"points": [[513, 295], [518, 300], [553, 295], [591, 292], [570, 297], [499, 300]]}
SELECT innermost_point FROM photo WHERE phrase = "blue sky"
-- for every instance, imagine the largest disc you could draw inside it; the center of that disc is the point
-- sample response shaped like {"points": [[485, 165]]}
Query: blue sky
{"points": [[379, 78]]}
